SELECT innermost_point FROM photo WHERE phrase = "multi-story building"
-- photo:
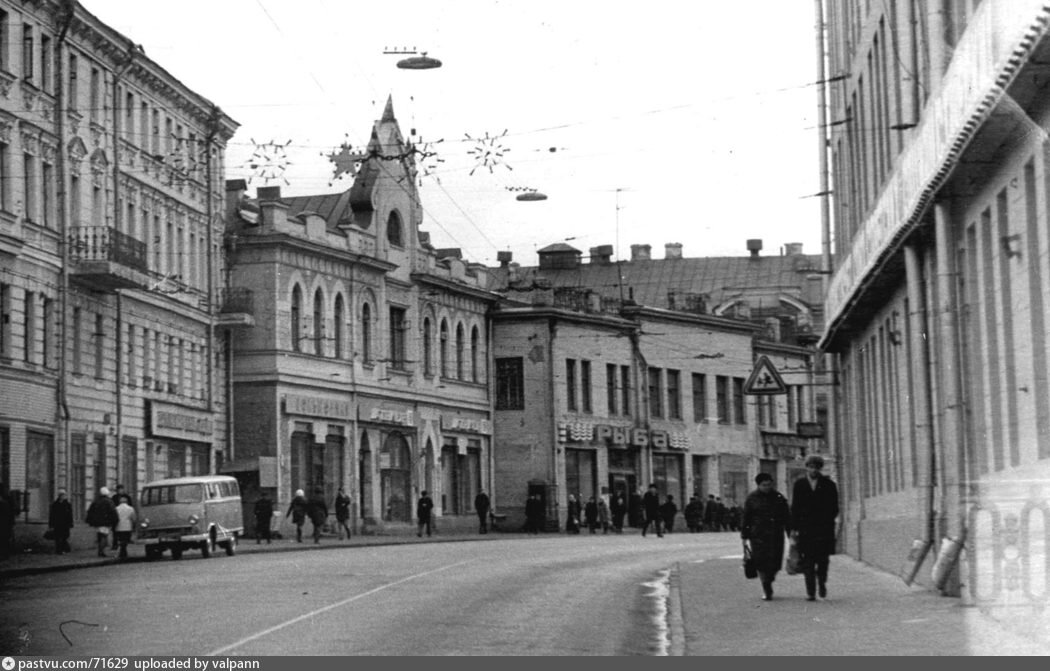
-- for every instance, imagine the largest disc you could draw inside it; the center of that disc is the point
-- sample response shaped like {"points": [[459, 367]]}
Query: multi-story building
{"points": [[611, 376], [937, 310], [361, 358], [109, 249]]}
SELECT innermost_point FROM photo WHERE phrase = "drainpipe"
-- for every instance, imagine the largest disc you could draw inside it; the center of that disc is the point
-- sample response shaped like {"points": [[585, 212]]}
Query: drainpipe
{"points": [[65, 18], [552, 412], [209, 303], [490, 362], [920, 365], [642, 399]]}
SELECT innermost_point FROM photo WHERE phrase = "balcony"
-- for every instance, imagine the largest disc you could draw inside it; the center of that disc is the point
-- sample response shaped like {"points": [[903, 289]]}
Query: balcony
{"points": [[236, 308], [104, 259]]}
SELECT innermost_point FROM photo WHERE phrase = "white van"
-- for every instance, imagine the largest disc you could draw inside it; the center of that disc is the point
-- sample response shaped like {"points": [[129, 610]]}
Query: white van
{"points": [[199, 512]]}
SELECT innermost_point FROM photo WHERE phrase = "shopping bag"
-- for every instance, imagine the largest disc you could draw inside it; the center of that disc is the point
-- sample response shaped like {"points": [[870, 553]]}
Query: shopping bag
{"points": [[792, 565], [750, 572]]}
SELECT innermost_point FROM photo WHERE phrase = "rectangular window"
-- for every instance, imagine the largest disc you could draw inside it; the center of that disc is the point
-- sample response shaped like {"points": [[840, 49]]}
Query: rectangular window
{"points": [[655, 393], [45, 64], [100, 344], [74, 89], [510, 383], [674, 394], [78, 342], [397, 338], [29, 342], [74, 201], [47, 194], [699, 397], [27, 52], [46, 354], [158, 359], [625, 390], [722, 398], [155, 131], [5, 319], [98, 206], [5, 177], [5, 25], [95, 102], [570, 383], [129, 116], [792, 395], [29, 172], [585, 385], [147, 362], [610, 387], [143, 134], [130, 363], [738, 401]]}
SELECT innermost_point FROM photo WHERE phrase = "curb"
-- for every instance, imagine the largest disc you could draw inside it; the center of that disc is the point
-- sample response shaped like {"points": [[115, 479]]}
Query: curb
{"points": [[675, 623]]}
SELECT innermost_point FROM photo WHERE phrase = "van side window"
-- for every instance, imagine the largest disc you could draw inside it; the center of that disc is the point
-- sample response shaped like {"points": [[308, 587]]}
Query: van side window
{"points": [[213, 490]]}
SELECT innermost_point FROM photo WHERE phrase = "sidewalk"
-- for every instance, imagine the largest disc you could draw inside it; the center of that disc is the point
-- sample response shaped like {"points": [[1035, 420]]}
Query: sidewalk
{"points": [[34, 555], [868, 612]]}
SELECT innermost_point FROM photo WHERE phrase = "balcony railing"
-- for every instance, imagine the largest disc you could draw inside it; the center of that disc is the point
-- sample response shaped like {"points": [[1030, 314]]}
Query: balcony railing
{"points": [[236, 300], [104, 243]]}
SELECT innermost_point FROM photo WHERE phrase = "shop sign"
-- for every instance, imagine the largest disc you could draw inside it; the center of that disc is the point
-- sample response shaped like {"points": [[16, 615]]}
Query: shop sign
{"points": [[174, 421], [617, 436], [312, 406], [391, 416], [784, 445], [468, 424]]}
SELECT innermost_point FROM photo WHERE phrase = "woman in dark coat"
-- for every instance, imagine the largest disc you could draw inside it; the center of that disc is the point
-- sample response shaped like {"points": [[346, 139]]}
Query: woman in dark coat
{"points": [[297, 510], [572, 520], [766, 522], [317, 509], [61, 521]]}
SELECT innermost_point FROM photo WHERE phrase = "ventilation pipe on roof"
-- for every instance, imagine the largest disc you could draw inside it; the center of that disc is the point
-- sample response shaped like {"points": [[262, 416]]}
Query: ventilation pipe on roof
{"points": [[673, 250], [754, 246], [641, 252]]}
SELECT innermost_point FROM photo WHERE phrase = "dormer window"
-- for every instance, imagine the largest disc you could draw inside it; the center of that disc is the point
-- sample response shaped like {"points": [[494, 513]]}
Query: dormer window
{"points": [[393, 229]]}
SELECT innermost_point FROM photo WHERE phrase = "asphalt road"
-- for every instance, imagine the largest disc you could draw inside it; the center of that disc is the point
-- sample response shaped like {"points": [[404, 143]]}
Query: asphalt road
{"points": [[545, 595]]}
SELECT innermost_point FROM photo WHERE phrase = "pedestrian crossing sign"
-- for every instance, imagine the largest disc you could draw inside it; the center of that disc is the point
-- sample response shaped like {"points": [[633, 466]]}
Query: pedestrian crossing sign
{"points": [[764, 379]]}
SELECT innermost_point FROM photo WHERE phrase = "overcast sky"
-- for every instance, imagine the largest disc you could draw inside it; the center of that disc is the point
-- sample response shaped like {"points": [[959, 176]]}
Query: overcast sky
{"points": [[703, 115]]}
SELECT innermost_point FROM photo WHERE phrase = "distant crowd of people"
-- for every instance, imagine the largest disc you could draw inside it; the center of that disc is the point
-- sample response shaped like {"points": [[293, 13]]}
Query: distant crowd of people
{"points": [[609, 513]]}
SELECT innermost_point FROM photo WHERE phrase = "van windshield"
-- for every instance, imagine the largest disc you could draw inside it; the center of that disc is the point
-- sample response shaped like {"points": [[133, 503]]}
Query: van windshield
{"points": [[154, 496]]}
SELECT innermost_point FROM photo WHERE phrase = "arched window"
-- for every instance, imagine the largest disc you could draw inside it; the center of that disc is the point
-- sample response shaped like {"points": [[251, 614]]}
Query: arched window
{"points": [[393, 229], [297, 309], [318, 323], [460, 353], [338, 324], [474, 354], [428, 363], [443, 345], [366, 333]]}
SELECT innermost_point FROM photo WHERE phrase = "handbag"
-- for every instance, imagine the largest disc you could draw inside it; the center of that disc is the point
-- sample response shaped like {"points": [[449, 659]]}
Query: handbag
{"points": [[792, 565], [750, 571]]}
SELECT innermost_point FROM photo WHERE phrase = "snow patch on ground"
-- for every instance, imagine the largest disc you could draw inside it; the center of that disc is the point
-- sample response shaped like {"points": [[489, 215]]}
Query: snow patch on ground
{"points": [[658, 590]]}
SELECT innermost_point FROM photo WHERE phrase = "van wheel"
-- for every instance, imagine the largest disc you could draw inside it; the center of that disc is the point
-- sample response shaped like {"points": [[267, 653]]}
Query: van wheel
{"points": [[176, 553], [206, 549], [231, 547]]}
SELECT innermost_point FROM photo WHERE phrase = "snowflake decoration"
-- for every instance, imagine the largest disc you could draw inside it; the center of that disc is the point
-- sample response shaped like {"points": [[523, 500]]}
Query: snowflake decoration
{"points": [[269, 161], [427, 159], [488, 151], [346, 162], [184, 159]]}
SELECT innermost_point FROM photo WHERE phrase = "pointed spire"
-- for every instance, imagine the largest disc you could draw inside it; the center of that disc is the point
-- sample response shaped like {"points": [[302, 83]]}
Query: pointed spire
{"points": [[388, 113]]}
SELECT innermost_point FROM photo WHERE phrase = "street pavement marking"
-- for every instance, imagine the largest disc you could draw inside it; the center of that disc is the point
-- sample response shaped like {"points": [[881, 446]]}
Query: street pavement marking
{"points": [[329, 607]]}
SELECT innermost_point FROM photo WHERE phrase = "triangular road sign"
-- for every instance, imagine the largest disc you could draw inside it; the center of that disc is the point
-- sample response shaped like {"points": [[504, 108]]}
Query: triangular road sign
{"points": [[764, 379]]}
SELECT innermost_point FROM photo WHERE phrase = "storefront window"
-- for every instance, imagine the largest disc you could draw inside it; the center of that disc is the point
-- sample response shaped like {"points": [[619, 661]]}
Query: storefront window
{"points": [[581, 473], [395, 477], [667, 474]]}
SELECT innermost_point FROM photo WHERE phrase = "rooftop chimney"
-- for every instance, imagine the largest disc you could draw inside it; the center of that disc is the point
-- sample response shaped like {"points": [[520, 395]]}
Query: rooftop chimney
{"points": [[792, 248], [602, 254], [504, 258], [754, 246], [274, 212], [269, 193], [673, 250], [641, 252]]}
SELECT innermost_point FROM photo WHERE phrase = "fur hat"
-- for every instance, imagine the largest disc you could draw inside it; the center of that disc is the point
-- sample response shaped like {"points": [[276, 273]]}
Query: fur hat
{"points": [[104, 491]]}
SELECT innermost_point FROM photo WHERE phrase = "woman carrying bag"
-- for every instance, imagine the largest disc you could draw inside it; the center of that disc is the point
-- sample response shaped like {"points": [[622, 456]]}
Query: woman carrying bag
{"points": [[766, 523]]}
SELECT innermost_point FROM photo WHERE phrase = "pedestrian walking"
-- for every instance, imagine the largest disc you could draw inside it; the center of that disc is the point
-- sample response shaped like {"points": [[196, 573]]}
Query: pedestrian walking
{"points": [[119, 492], [766, 523], [102, 515], [618, 509], [297, 511], [317, 511], [694, 514], [60, 521], [125, 524], [481, 507], [603, 514], [651, 507], [424, 513], [572, 520], [635, 512], [668, 511], [342, 513], [722, 513], [263, 517], [711, 513], [590, 514], [814, 507]]}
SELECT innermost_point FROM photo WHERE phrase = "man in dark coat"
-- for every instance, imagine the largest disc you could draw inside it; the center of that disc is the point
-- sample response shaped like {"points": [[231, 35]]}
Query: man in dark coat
{"points": [[711, 514], [694, 513], [590, 513], [317, 511], [342, 513], [651, 506], [814, 507], [618, 508], [667, 513], [297, 510], [424, 508], [766, 521], [102, 514], [263, 517], [60, 521], [481, 507]]}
